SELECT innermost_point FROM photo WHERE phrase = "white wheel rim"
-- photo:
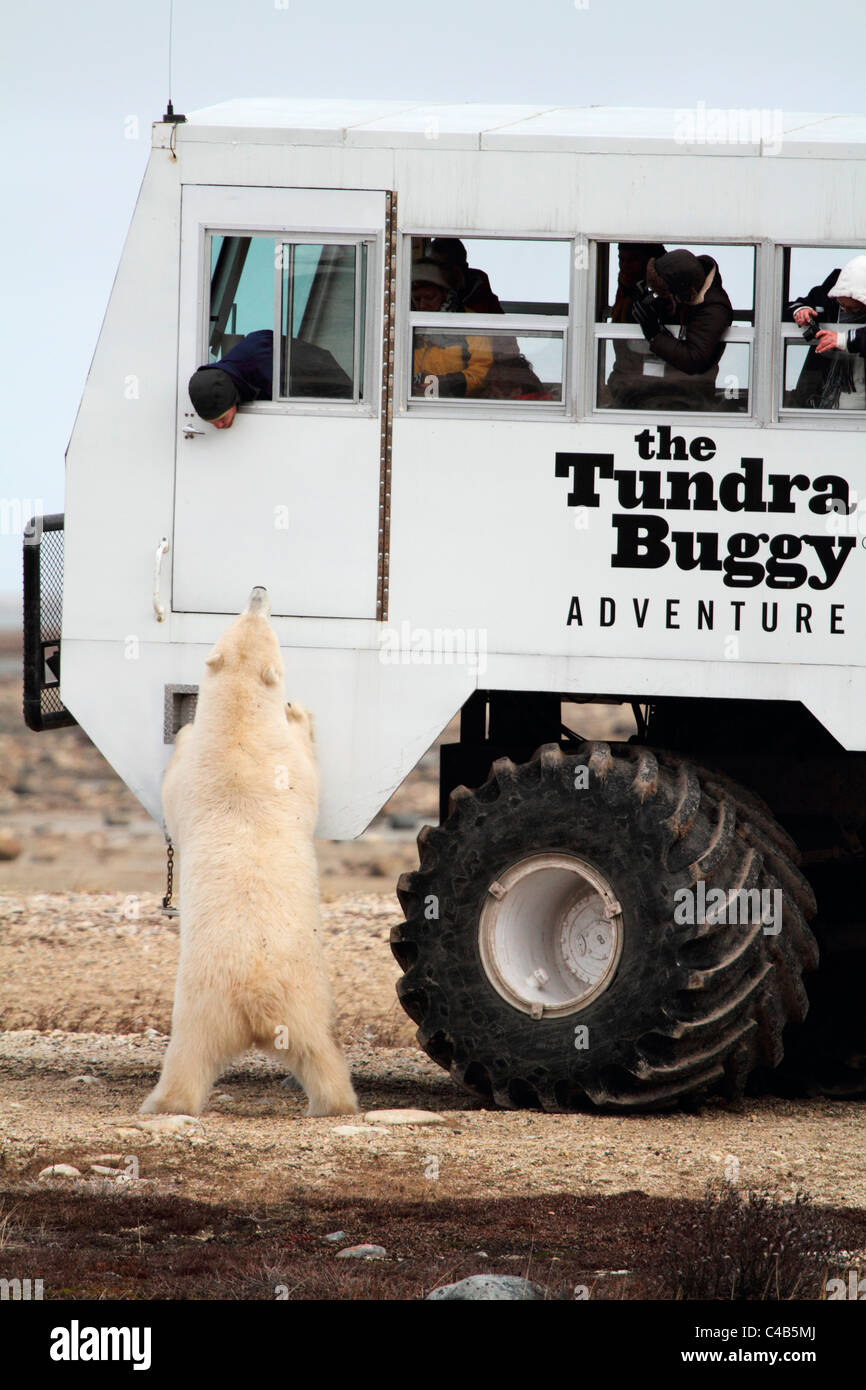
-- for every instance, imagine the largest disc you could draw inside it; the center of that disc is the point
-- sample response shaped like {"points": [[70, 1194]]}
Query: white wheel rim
{"points": [[550, 934]]}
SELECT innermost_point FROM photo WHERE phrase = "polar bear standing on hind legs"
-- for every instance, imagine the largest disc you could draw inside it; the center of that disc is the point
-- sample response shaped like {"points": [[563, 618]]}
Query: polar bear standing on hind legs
{"points": [[240, 797]]}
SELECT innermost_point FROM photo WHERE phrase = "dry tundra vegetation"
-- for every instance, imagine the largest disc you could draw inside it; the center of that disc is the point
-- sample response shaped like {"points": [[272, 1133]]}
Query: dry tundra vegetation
{"points": [[761, 1200]]}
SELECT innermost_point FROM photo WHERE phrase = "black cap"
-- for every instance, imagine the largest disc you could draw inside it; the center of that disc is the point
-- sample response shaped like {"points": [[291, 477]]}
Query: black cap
{"points": [[682, 272], [212, 392], [449, 249]]}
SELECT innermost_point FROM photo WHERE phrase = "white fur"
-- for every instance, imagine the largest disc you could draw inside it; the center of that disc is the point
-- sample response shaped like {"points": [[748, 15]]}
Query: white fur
{"points": [[252, 971]]}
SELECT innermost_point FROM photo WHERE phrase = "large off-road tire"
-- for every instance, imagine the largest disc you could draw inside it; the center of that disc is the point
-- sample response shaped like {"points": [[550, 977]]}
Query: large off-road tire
{"points": [[543, 961], [826, 1055]]}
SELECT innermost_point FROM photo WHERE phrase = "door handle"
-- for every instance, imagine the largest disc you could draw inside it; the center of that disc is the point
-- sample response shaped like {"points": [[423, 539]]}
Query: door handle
{"points": [[158, 606], [190, 431]]}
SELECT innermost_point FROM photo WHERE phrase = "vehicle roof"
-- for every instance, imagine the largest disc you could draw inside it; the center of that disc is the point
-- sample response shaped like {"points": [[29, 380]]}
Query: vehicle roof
{"points": [[625, 129]]}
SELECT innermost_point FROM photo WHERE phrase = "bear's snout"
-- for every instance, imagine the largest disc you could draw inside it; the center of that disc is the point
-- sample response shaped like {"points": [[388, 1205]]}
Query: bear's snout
{"points": [[259, 603]]}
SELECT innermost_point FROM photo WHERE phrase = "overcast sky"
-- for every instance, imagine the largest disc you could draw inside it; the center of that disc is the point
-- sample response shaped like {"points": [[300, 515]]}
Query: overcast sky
{"points": [[74, 73]]}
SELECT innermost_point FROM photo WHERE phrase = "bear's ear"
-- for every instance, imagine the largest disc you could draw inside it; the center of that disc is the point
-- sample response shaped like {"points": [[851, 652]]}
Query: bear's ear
{"points": [[270, 675], [214, 661]]}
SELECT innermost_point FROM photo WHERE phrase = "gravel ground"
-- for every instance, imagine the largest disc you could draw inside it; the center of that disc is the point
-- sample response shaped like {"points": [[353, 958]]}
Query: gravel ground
{"points": [[68, 1096], [253, 1133], [106, 963]]}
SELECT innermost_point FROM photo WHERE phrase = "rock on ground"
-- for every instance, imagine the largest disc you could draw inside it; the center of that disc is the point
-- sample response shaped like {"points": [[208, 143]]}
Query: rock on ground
{"points": [[488, 1287]]}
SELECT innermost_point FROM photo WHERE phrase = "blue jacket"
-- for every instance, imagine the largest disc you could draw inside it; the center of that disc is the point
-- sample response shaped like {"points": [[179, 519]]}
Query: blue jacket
{"points": [[249, 364], [315, 371]]}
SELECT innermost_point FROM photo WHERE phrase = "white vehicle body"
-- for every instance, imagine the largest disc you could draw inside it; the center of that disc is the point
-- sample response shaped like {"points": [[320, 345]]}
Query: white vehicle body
{"points": [[401, 581]]}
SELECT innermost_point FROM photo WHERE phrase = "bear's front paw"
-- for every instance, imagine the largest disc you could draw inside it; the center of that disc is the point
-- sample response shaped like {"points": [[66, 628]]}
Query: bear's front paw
{"points": [[333, 1105], [157, 1104]]}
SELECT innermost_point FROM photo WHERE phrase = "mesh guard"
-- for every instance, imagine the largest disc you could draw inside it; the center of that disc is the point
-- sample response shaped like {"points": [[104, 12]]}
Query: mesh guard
{"points": [[43, 607]]}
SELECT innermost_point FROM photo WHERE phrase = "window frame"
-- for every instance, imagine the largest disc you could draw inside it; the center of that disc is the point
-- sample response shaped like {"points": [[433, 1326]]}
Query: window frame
{"points": [[597, 332], [366, 398], [800, 417], [516, 325]]}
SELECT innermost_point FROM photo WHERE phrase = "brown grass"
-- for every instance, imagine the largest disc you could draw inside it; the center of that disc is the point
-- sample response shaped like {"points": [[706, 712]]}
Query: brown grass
{"points": [[747, 1245], [103, 1243]]}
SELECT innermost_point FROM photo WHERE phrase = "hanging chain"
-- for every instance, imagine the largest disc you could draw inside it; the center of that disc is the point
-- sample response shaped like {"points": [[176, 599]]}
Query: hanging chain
{"points": [[167, 907]]}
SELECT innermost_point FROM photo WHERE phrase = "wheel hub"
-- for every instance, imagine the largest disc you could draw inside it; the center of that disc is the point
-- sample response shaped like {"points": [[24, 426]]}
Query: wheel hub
{"points": [[550, 934]]}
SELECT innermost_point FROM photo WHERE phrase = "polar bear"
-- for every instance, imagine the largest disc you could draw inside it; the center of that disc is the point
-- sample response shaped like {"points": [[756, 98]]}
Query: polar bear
{"points": [[240, 798]]}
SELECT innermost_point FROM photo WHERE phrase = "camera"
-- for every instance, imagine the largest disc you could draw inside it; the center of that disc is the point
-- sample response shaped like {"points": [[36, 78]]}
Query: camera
{"points": [[810, 330], [643, 294]]}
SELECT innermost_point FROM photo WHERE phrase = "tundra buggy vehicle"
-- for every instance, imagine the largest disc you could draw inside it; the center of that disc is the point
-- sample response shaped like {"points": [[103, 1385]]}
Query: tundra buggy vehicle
{"points": [[470, 485]]}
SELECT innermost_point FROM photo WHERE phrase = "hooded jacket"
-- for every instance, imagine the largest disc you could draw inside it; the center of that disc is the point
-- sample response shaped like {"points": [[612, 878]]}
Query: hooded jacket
{"points": [[852, 285], [699, 346]]}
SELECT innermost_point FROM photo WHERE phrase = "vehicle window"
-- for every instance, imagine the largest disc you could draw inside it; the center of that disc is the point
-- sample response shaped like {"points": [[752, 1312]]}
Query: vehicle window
{"points": [[487, 366], [628, 380], [315, 290], [812, 281], [621, 264], [242, 290], [676, 338], [321, 292], [497, 275], [518, 290]]}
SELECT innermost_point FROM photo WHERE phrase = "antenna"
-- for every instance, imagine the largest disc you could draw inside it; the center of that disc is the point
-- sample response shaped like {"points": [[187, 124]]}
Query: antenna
{"points": [[169, 116]]}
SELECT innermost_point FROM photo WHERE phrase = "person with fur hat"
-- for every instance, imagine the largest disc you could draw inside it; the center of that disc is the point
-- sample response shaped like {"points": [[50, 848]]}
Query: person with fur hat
{"points": [[686, 289], [444, 364]]}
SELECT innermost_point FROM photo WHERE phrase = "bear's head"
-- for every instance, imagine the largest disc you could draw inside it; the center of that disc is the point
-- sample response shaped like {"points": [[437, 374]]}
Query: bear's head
{"points": [[247, 655]]}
